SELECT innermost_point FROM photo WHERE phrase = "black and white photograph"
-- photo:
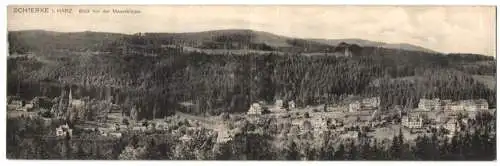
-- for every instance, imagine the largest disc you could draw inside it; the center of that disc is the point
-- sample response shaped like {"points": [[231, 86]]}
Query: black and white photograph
{"points": [[251, 82]]}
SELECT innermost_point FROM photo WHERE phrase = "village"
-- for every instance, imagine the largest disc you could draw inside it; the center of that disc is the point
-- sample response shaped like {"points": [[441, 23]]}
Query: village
{"points": [[345, 121]]}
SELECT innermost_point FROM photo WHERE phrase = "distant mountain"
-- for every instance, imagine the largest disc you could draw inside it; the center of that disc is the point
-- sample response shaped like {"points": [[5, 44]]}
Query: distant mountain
{"points": [[368, 43], [238, 39], [40, 40], [233, 39], [234, 35]]}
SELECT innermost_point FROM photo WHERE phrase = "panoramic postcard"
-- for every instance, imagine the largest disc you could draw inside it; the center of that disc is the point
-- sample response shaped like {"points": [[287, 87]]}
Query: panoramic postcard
{"points": [[185, 82]]}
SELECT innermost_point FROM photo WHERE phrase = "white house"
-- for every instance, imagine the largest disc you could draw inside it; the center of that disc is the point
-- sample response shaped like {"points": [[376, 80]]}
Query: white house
{"points": [[456, 107], [320, 123], [482, 104], [255, 109], [291, 104], [77, 103], [29, 106], [371, 102], [430, 105], [279, 104], [350, 135], [115, 134], [161, 125], [297, 122], [223, 136], [451, 125], [470, 106], [16, 103], [412, 122], [355, 106], [139, 128]]}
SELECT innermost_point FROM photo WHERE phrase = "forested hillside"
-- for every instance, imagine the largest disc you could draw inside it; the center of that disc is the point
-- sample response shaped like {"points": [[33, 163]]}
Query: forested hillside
{"points": [[226, 83]]}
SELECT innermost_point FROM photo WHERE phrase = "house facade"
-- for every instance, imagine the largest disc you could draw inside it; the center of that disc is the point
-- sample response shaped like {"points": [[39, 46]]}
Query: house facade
{"points": [[161, 125], [297, 122], [320, 123], [291, 104], [482, 104], [451, 125], [255, 109], [412, 122], [475, 105], [430, 104], [367, 104], [279, 104], [456, 107], [354, 106], [115, 134], [371, 102], [224, 136], [139, 128], [15, 102], [350, 135]]}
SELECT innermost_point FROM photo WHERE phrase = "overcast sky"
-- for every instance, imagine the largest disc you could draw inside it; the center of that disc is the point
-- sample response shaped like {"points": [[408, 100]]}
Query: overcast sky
{"points": [[444, 29]]}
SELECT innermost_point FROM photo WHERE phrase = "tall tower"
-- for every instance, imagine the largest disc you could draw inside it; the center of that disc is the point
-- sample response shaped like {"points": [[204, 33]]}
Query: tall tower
{"points": [[62, 103], [70, 97], [70, 105], [347, 52]]}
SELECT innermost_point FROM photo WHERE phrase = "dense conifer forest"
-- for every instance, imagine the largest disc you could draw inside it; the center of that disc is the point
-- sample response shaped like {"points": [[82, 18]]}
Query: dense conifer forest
{"points": [[217, 81]]}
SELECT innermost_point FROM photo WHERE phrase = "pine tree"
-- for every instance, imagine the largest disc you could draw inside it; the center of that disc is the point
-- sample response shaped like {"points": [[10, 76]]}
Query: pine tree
{"points": [[80, 154], [152, 151], [419, 149], [292, 152], [339, 154], [353, 153], [366, 152], [445, 149], [376, 153], [327, 152], [396, 148], [432, 148]]}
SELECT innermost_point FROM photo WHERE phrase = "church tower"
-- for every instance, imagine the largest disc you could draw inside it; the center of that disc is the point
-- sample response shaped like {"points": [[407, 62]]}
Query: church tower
{"points": [[70, 97], [62, 102], [347, 52], [70, 105]]}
